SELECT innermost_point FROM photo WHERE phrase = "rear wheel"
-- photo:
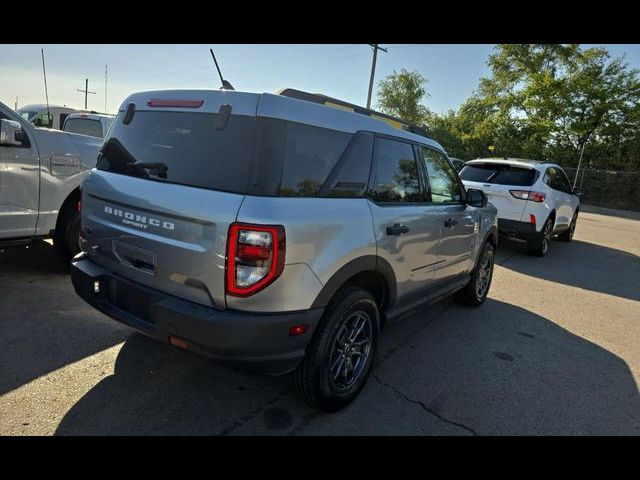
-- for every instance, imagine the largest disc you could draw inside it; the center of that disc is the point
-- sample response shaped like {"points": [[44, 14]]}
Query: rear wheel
{"points": [[477, 289], [340, 356], [567, 235], [539, 246], [66, 240]]}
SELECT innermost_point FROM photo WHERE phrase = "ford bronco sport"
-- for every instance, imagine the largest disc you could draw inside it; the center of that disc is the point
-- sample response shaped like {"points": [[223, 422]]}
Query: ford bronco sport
{"points": [[276, 232]]}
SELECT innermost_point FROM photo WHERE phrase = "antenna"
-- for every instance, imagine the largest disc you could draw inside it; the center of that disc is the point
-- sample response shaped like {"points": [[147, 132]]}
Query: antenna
{"points": [[105, 88], [46, 92], [225, 85]]}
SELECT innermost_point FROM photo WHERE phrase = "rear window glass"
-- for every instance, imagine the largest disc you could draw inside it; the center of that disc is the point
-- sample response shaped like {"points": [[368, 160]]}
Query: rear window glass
{"points": [[183, 148], [499, 174], [84, 126]]}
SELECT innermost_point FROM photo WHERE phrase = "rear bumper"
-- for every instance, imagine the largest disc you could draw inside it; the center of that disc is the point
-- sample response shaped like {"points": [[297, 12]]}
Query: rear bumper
{"points": [[516, 229], [245, 340]]}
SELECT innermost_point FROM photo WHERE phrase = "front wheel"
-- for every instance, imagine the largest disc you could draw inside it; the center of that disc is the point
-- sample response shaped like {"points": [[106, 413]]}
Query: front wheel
{"points": [[340, 356], [476, 291], [567, 235]]}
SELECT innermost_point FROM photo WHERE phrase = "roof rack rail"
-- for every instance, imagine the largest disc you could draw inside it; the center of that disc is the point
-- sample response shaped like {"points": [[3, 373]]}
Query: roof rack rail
{"points": [[321, 99]]}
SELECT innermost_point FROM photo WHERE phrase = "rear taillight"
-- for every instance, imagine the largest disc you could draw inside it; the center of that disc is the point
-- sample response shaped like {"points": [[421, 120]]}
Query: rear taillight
{"points": [[528, 195], [255, 257]]}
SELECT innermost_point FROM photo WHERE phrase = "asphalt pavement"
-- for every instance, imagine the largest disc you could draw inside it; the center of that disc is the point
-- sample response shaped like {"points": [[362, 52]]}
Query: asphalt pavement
{"points": [[555, 350]]}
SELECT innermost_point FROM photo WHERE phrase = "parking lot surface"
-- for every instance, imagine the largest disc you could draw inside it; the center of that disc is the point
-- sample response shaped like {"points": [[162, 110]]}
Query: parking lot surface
{"points": [[554, 350]]}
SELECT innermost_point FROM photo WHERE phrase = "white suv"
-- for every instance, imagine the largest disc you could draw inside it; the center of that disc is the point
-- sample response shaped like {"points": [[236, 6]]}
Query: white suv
{"points": [[535, 200]]}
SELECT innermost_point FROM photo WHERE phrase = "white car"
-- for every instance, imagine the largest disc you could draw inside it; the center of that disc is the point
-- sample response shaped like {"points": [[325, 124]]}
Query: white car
{"points": [[91, 124], [535, 200]]}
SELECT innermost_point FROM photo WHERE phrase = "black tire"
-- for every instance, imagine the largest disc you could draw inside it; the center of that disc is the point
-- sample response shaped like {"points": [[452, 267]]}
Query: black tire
{"points": [[66, 239], [539, 246], [567, 235], [476, 291], [314, 378]]}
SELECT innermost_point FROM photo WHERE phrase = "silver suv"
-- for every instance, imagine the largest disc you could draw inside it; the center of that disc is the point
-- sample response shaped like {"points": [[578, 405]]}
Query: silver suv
{"points": [[275, 233]]}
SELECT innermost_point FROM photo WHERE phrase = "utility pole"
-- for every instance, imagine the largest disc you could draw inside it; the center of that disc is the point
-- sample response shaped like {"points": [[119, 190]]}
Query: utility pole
{"points": [[85, 91], [16, 109], [373, 70]]}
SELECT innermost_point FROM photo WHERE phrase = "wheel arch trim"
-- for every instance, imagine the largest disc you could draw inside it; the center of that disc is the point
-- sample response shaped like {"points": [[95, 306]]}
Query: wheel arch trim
{"points": [[358, 265]]}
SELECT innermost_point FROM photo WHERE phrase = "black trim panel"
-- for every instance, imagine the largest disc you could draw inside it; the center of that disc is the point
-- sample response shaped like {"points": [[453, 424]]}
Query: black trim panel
{"points": [[359, 265]]}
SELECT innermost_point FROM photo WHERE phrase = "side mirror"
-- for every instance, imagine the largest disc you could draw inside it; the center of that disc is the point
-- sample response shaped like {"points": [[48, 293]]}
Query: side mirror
{"points": [[476, 198], [578, 192], [11, 133]]}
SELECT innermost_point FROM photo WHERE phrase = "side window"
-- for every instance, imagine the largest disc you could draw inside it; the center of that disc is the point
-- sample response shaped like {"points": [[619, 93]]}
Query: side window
{"points": [[557, 180], [43, 120], [443, 182], [396, 177], [565, 182], [310, 153]]}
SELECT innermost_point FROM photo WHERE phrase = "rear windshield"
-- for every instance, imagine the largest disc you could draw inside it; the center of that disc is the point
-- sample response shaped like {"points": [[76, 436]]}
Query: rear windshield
{"points": [[84, 126], [183, 148], [499, 174]]}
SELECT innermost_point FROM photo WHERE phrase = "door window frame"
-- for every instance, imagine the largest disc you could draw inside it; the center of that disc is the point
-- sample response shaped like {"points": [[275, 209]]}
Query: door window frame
{"points": [[425, 194], [461, 188]]}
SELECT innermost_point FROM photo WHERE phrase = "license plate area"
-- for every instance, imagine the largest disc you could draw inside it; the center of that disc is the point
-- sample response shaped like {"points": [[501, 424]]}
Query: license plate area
{"points": [[130, 299]]}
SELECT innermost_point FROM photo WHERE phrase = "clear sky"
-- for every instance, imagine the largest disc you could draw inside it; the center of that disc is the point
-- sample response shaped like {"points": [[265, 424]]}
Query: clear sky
{"points": [[337, 70]]}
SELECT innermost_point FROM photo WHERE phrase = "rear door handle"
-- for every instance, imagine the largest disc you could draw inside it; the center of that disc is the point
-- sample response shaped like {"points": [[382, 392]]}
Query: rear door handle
{"points": [[397, 229], [450, 222]]}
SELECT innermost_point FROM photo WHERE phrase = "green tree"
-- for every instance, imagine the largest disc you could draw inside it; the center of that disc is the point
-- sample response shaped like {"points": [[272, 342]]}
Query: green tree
{"points": [[560, 96], [401, 94]]}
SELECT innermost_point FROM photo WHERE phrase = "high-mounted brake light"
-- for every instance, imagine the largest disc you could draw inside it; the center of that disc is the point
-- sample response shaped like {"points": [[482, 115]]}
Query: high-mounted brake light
{"points": [[528, 195], [255, 257], [176, 103]]}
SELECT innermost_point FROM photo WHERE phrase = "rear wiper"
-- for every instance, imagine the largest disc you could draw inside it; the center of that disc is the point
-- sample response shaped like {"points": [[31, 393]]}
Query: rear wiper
{"points": [[159, 167], [492, 176]]}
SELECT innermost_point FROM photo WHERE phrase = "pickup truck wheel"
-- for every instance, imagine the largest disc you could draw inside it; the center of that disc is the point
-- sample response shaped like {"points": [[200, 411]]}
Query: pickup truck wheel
{"points": [[66, 240], [540, 245], [477, 289], [339, 358]]}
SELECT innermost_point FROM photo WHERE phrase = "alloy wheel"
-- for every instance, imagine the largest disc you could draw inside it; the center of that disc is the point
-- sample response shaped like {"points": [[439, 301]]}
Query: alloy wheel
{"points": [[350, 350]]}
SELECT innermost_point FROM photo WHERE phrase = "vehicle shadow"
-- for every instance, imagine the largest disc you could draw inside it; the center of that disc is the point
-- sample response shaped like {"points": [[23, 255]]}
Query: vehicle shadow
{"points": [[497, 369], [34, 259], [44, 325], [579, 264]]}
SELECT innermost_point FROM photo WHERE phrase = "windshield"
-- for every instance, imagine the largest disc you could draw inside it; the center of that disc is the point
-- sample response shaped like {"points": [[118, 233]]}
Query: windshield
{"points": [[499, 174], [184, 148]]}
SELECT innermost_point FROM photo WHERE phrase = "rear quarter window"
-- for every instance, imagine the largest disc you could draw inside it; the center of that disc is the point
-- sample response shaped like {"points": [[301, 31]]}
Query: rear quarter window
{"points": [[298, 160], [310, 154]]}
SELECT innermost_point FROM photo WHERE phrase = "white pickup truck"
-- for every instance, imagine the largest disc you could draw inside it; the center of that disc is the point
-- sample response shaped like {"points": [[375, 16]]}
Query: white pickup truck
{"points": [[40, 175]]}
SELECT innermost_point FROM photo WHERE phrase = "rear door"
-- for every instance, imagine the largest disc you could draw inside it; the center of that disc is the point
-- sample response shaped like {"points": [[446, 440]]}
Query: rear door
{"points": [[168, 184], [496, 180], [458, 222], [406, 230]]}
